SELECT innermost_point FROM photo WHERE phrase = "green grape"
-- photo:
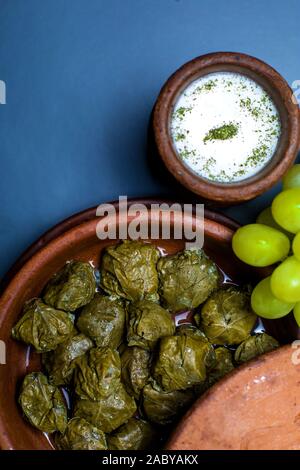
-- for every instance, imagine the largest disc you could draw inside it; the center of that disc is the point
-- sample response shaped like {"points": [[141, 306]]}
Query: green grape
{"points": [[265, 217], [286, 209], [296, 246], [285, 280], [260, 245], [264, 303], [292, 178], [297, 313]]}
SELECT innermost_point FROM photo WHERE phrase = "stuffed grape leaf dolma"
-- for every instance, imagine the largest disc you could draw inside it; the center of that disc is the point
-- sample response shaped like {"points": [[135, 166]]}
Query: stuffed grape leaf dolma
{"points": [[72, 287], [186, 279], [135, 364], [60, 364], [128, 270], [42, 326], [223, 365], [136, 434], [254, 346], [110, 412], [196, 334], [183, 361], [103, 320], [97, 374], [226, 317], [190, 330], [163, 407], [221, 368], [81, 435], [148, 322], [43, 404]]}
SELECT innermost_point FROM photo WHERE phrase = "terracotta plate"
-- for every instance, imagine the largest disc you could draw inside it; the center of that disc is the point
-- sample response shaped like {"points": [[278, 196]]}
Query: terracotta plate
{"points": [[73, 239]]}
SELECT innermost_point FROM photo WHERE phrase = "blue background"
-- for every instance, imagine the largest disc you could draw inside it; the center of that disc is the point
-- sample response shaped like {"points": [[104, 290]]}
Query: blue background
{"points": [[82, 77]]}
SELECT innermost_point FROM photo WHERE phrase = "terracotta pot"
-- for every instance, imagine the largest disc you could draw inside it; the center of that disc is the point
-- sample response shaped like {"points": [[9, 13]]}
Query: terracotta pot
{"points": [[275, 86], [254, 408], [73, 239]]}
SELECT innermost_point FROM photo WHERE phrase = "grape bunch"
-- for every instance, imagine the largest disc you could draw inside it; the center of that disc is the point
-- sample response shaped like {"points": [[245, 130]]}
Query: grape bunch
{"points": [[275, 240]]}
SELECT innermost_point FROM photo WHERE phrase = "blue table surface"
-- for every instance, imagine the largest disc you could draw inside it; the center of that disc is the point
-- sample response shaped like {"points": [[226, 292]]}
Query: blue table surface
{"points": [[81, 79]]}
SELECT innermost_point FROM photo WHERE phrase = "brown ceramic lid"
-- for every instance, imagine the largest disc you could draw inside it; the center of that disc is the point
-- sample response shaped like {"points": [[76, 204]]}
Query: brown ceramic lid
{"points": [[256, 407]]}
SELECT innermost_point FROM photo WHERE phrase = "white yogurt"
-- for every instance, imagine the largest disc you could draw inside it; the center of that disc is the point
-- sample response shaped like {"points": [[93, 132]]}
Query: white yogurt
{"points": [[225, 127]]}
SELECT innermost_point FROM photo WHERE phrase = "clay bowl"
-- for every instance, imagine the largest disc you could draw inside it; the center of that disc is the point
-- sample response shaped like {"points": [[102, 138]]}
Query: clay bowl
{"points": [[74, 239], [257, 407], [275, 86]]}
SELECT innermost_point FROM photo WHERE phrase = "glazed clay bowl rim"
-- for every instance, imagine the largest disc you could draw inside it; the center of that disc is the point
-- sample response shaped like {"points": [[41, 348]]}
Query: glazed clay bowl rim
{"points": [[88, 214], [43, 260], [274, 84]]}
